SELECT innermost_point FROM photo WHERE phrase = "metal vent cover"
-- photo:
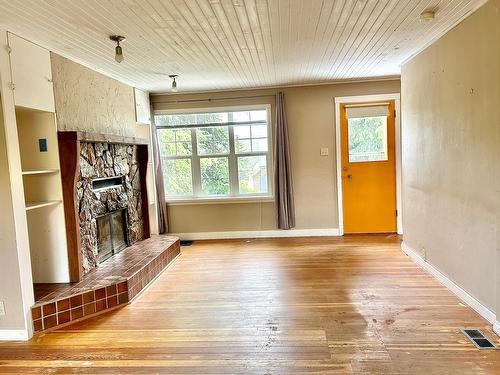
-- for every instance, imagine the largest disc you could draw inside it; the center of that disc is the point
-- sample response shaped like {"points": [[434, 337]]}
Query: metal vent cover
{"points": [[477, 337]]}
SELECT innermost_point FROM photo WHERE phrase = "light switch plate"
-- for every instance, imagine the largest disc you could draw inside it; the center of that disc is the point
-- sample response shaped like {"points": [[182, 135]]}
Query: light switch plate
{"points": [[2, 308], [323, 151], [42, 145]]}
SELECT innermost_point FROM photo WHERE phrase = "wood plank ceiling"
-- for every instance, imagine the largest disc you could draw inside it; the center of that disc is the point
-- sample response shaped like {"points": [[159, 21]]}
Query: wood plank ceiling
{"points": [[229, 44]]}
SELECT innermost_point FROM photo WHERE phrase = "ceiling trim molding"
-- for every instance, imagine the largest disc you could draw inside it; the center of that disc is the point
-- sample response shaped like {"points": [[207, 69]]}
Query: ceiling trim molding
{"points": [[323, 83]]}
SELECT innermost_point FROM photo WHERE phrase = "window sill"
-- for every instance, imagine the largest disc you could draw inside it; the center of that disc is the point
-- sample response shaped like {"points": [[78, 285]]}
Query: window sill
{"points": [[212, 200]]}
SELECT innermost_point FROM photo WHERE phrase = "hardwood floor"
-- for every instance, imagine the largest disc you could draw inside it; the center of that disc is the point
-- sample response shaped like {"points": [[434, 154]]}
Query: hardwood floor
{"points": [[353, 305]]}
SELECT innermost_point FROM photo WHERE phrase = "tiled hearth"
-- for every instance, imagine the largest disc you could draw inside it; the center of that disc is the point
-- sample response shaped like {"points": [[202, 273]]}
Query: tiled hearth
{"points": [[115, 282]]}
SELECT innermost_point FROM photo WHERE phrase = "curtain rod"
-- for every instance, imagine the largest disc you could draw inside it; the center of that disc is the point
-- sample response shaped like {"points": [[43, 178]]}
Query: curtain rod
{"points": [[212, 99]]}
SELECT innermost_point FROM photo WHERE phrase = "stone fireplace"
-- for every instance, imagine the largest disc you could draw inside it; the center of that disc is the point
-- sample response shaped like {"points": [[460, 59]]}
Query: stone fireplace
{"points": [[108, 186], [105, 196]]}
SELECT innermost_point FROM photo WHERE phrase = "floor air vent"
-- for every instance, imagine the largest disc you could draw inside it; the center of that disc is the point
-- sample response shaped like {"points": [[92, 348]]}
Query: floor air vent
{"points": [[186, 243], [478, 338]]}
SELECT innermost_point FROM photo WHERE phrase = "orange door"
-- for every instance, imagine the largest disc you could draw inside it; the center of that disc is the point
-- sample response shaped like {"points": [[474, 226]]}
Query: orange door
{"points": [[368, 167]]}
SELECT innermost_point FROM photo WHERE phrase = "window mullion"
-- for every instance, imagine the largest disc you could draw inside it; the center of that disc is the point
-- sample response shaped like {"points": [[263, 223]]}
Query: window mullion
{"points": [[195, 165], [233, 165]]}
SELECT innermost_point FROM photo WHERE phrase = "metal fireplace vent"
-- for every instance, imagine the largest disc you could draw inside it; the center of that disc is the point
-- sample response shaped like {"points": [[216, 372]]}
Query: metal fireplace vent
{"points": [[107, 183], [478, 338]]}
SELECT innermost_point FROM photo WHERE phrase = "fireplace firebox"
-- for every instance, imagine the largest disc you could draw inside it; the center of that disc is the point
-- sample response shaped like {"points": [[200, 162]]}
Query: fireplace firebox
{"points": [[111, 234]]}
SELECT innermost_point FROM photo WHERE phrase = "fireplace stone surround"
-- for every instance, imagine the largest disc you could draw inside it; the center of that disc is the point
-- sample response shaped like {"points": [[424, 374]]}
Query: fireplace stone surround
{"points": [[97, 162], [86, 160]]}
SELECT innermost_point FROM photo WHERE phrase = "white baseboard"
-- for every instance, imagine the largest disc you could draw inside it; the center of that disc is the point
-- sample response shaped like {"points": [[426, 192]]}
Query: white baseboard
{"points": [[13, 335], [257, 234], [496, 327], [456, 289]]}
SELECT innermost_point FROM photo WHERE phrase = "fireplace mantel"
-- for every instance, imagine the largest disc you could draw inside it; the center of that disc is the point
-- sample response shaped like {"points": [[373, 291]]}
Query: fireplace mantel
{"points": [[69, 155], [106, 138]]}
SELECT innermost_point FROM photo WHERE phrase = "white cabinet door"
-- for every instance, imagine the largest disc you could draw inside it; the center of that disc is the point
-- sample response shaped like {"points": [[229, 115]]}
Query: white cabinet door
{"points": [[31, 75], [142, 110]]}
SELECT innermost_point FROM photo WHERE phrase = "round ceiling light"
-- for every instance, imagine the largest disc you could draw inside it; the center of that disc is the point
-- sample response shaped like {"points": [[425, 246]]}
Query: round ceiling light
{"points": [[427, 16]]}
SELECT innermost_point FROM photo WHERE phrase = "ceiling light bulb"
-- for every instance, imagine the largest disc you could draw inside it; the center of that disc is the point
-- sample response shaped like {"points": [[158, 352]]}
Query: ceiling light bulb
{"points": [[174, 82], [118, 54], [118, 49]]}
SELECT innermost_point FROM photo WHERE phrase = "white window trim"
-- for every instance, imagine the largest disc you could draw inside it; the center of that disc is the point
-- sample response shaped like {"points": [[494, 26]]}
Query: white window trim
{"points": [[233, 178]]}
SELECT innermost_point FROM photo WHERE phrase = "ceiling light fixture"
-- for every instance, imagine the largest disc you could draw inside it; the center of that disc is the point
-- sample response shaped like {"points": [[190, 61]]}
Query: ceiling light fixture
{"points": [[118, 49], [427, 16], [174, 82]]}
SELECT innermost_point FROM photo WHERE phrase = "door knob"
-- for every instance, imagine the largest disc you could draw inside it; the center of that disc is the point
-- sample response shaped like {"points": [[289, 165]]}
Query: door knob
{"points": [[349, 176], [345, 168]]}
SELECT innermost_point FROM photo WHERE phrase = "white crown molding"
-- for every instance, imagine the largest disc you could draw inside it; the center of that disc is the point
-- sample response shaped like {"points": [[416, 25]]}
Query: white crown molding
{"points": [[454, 288], [258, 234], [283, 86], [14, 335]]}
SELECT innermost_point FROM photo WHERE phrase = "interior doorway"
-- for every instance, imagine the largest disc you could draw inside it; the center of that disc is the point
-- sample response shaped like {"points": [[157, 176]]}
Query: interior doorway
{"points": [[368, 164]]}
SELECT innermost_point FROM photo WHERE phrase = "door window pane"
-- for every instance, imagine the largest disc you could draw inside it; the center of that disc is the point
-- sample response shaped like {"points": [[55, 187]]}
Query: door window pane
{"points": [[214, 176], [252, 174], [177, 176], [367, 139], [213, 140]]}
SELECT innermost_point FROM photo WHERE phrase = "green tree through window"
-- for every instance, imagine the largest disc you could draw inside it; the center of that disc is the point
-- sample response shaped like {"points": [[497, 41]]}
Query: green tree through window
{"points": [[367, 139], [214, 154]]}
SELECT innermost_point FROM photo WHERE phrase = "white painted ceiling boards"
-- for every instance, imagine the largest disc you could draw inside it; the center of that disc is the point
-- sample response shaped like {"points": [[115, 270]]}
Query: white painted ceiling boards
{"points": [[226, 44]]}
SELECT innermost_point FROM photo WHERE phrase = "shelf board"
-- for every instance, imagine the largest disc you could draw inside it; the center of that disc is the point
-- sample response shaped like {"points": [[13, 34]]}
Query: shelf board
{"points": [[39, 171], [35, 205]]}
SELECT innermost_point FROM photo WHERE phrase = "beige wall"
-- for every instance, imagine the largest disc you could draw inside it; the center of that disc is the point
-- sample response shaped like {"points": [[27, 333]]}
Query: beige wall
{"points": [[89, 101], [46, 227], [310, 113], [10, 290], [451, 104], [16, 286]]}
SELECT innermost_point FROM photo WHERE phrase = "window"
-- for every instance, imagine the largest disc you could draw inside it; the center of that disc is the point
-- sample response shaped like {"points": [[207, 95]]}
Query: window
{"points": [[367, 138], [215, 154]]}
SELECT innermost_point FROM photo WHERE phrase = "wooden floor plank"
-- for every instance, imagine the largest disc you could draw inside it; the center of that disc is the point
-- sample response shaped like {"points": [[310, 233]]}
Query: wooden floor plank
{"points": [[352, 305]]}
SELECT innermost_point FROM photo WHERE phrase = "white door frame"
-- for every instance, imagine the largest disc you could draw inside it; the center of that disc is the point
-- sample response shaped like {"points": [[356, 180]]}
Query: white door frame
{"points": [[369, 98]]}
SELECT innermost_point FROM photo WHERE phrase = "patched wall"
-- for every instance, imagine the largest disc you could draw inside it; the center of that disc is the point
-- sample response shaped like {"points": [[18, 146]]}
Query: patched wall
{"points": [[89, 101], [450, 143]]}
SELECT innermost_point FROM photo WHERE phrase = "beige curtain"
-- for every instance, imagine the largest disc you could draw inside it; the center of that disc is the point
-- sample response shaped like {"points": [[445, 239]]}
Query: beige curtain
{"points": [[284, 206], [160, 189]]}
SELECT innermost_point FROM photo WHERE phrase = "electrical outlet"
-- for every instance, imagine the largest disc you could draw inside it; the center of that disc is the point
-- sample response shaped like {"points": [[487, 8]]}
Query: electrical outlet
{"points": [[2, 308], [323, 151], [424, 253]]}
